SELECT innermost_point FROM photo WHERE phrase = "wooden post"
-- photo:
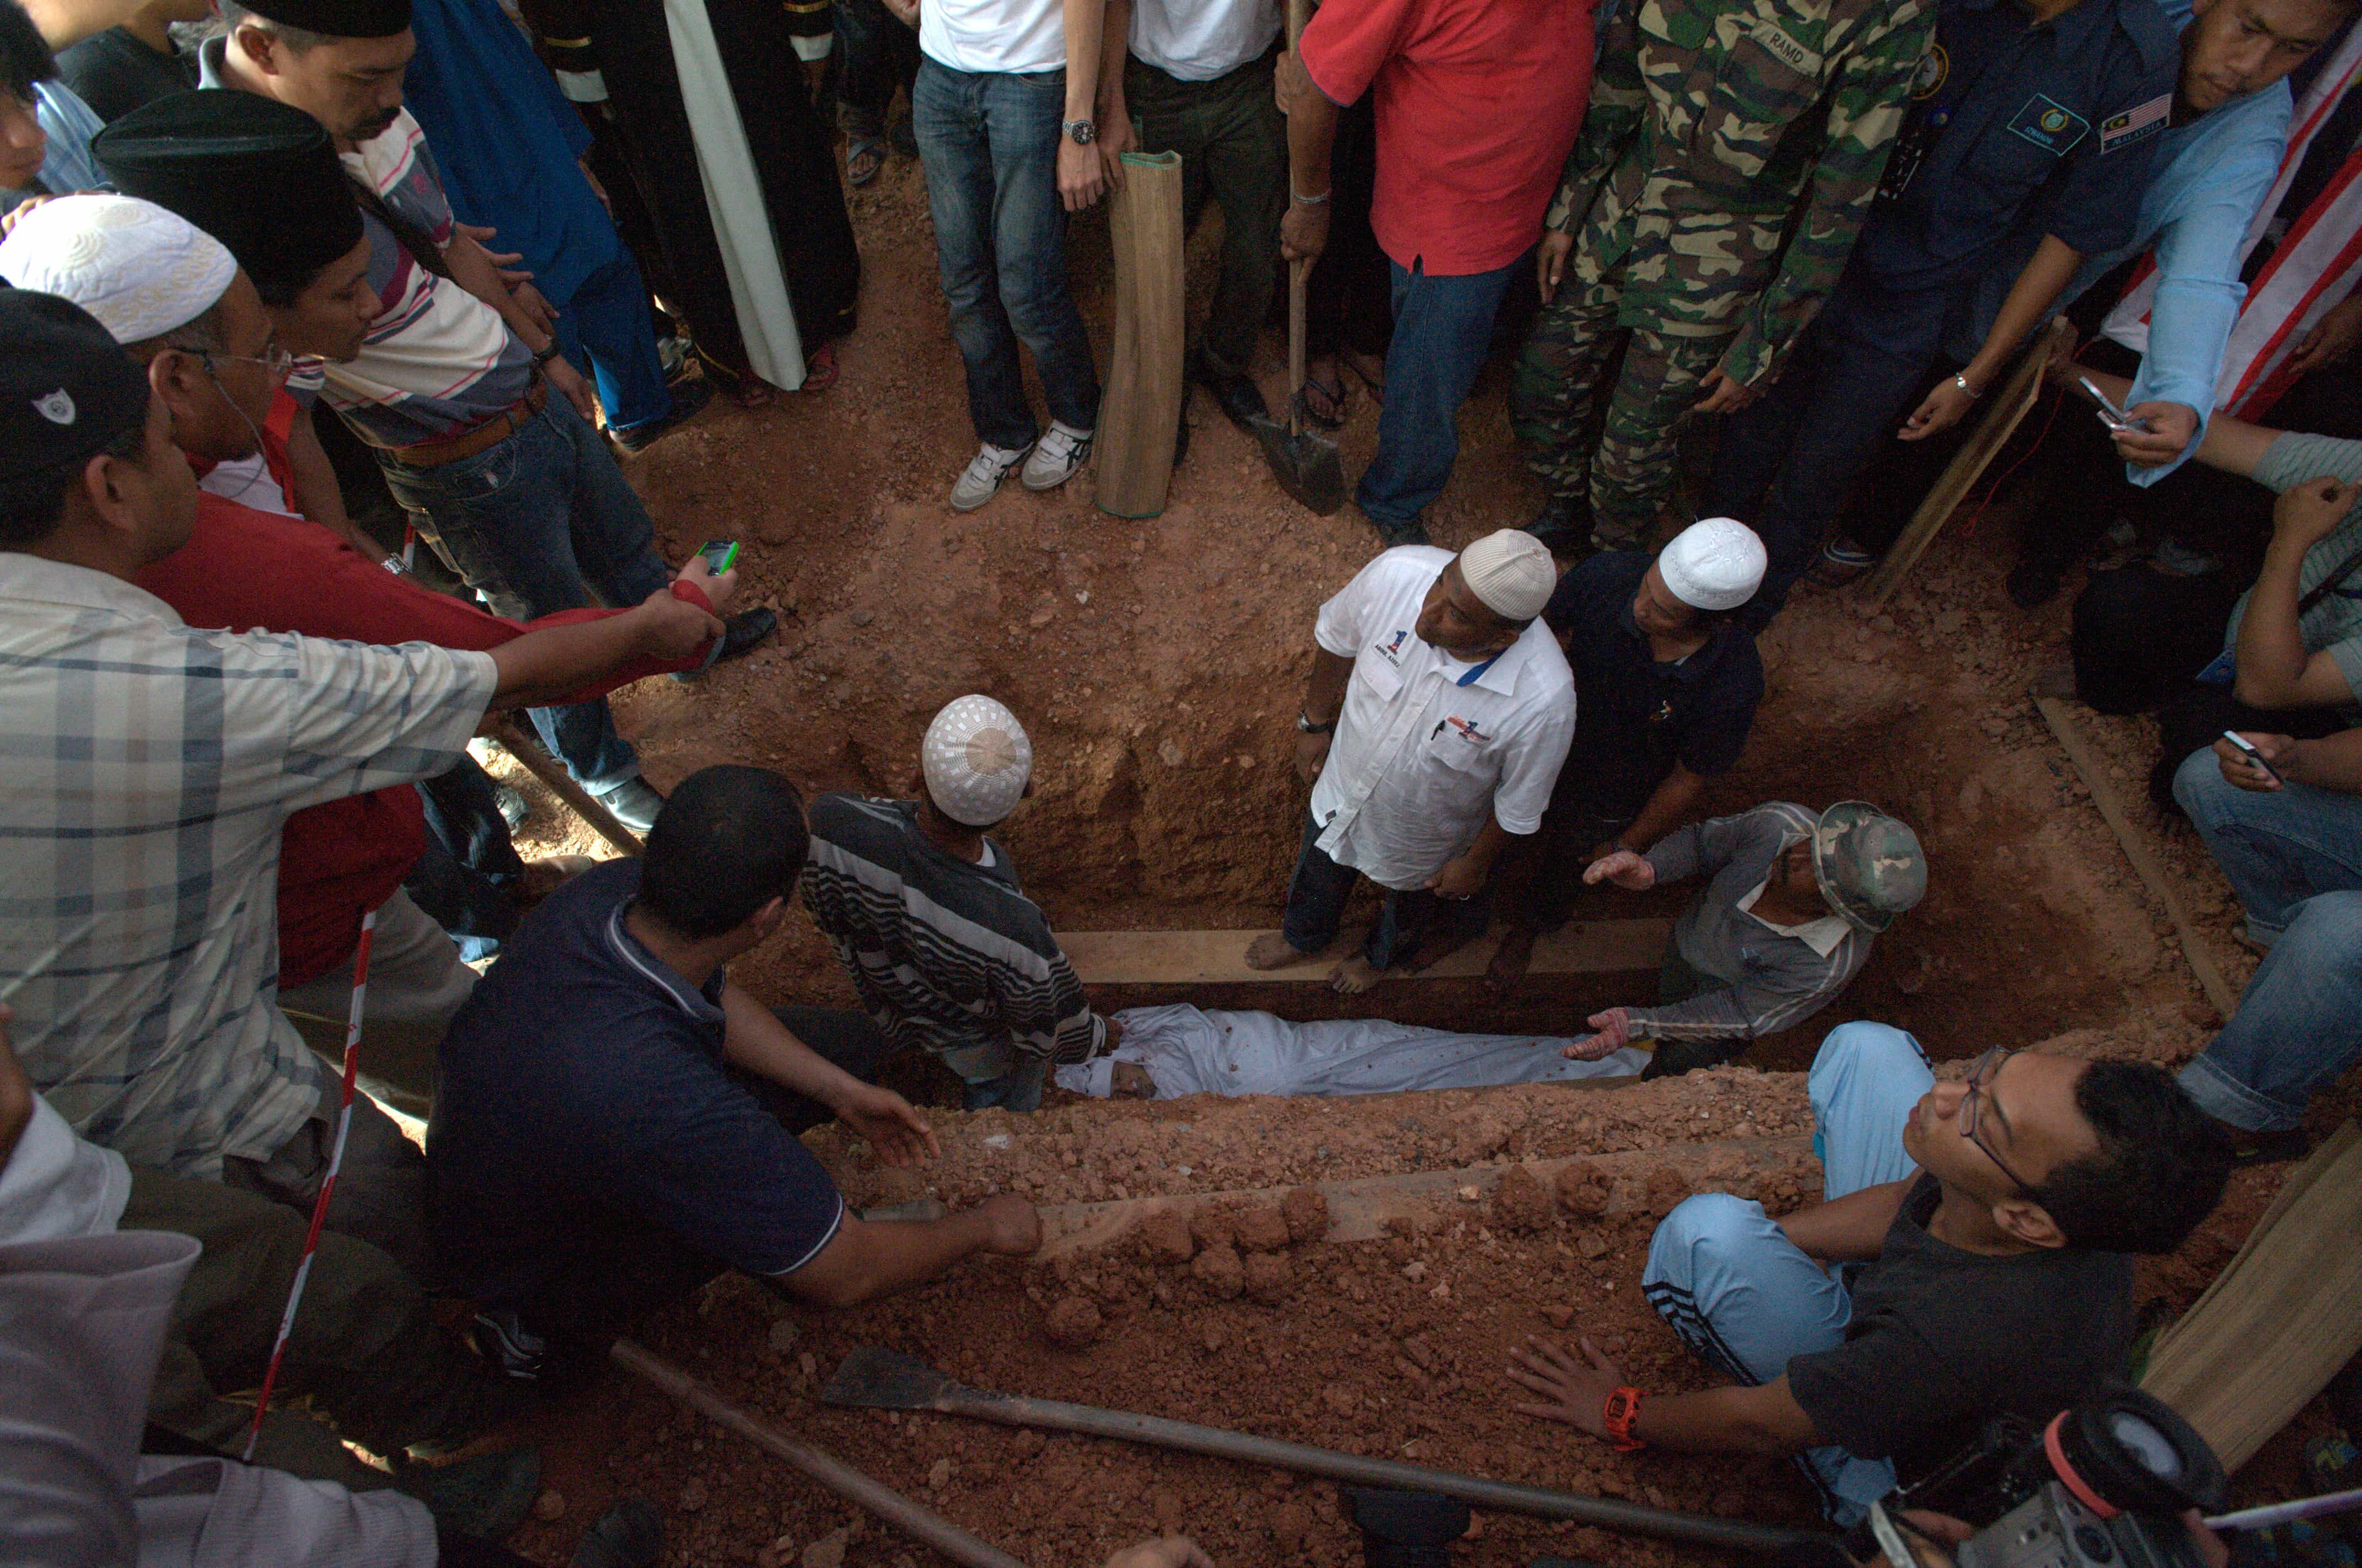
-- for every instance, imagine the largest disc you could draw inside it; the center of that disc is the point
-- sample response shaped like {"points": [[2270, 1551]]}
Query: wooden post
{"points": [[537, 762], [2210, 979], [2018, 396], [1140, 414]]}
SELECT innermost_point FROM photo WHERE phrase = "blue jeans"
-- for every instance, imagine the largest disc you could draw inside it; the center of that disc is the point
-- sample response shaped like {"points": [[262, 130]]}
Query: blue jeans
{"points": [[2278, 848], [1018, 1090], [988, 141], [1316, 905], [1442, 328], [1744, 1297], [540, 522], [607, 322], [2297, 1027]]}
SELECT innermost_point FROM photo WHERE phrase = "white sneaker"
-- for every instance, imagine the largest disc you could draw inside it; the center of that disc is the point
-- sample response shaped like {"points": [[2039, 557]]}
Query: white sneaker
{"points": [[983, 473], [1057, 456]]}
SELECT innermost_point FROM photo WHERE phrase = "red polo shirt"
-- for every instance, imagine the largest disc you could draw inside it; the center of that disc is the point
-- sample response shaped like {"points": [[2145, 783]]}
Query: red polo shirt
{"points": [[1478, 103], [244, 571]]}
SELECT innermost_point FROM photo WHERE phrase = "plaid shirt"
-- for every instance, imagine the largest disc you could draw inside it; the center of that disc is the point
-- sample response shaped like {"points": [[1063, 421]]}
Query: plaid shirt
{"points": [[145, 772]]}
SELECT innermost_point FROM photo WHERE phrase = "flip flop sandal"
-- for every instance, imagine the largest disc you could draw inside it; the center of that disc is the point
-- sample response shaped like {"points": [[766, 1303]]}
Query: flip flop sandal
{"points": [[820, 369], [856, 148], [1841, 561], [1377, 384], [1333, 390]]}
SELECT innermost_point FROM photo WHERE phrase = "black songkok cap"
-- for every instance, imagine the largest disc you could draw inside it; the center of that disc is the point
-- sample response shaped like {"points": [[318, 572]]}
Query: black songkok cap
{"points": [[67, 389], [336, 19], [256, 174]]}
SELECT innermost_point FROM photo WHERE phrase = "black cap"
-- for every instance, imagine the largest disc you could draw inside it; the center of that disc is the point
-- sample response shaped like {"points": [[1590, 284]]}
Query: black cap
{"points": [[336, 19], [67, 389], [256, 174]]}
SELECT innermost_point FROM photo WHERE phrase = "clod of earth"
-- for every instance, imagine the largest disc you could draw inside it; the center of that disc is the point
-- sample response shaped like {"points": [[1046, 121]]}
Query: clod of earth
{"points": [[1073, 1323], [1212, 1227], [1218, 1270], [1583, 1189], [1262, 1230], [1270, 1277], [1519, 1204], [1165, 1234], [1305, 1210]]}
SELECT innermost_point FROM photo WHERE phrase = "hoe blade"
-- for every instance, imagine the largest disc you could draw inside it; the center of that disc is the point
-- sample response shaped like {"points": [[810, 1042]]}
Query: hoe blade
{"points": [[882, 1379]]}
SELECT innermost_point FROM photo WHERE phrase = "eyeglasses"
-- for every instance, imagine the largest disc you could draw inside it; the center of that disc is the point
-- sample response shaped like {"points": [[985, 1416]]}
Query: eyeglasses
{"points": [[280, 362], [1981, 1072]]}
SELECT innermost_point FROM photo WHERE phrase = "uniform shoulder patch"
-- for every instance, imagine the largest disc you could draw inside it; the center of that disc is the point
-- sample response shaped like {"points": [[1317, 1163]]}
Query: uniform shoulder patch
{"points": [[1787, 51], [2136, 124], [2049, 124], [1934, 67]]}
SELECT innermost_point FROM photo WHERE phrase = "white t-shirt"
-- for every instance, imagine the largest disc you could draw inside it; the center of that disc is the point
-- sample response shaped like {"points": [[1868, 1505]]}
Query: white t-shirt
{"points": [[1428, 745], [1199, 42], [1017, 36]]}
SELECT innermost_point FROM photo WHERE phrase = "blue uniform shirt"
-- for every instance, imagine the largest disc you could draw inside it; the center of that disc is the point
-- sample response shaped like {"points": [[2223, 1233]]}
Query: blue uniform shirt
{"points": [[2047, 129]]}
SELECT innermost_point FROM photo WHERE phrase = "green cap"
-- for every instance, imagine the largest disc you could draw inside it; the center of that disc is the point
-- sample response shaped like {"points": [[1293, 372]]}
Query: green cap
{"points": [[1870, 865]]}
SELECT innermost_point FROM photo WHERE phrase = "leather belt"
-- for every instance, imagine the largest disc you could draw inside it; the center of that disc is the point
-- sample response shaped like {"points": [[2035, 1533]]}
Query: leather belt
{"points": [[441, 450]]}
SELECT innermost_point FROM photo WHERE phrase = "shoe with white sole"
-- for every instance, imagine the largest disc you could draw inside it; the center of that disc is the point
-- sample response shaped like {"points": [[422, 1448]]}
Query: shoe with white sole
{"points": [[1057, 456], [983, 473]]}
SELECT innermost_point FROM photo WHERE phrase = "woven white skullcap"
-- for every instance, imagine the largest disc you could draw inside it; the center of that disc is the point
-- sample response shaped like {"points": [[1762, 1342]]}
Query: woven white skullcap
{"points": [[1715, 563], [976, 758], [1511, 572], [139, 269]]}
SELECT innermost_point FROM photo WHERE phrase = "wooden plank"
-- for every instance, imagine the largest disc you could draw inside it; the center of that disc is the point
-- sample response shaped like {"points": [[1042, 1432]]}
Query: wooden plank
{"points": [[1218, 957], [598, 818], [2280, 1320], [2017, 399], [2193, 947], [1358, 1210]]}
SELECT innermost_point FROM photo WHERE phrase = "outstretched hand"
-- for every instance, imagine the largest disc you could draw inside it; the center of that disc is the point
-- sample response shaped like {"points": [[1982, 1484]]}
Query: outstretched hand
{"points": [[893, 1126], [1632, 872], [1573, 1392]]}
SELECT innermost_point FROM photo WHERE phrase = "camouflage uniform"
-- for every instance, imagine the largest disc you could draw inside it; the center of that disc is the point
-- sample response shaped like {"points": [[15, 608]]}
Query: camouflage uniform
{"points": [[1717, 129]]}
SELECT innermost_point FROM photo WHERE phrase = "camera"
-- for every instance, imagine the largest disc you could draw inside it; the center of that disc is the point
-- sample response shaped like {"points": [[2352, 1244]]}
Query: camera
{"points": [[2102, 1485]]}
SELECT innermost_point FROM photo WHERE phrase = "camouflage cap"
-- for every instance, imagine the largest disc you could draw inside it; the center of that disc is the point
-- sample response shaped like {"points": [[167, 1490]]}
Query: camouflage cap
{"points": [[1870, 865]]}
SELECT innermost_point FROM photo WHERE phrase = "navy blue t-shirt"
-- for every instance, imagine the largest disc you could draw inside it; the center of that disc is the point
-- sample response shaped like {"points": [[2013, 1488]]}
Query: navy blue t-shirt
{"points": [[584, 1082], [1635, 718]]}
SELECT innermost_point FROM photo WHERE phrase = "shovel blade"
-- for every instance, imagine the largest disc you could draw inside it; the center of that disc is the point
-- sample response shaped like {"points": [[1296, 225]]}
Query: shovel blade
{"points": [[882, 1379], [1306, 466]]}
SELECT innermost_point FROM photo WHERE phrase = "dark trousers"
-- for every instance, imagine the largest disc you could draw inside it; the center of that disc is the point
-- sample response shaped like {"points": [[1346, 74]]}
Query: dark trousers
{"points": [[1349, 298], [469, 874], [1443, 328], [877, 54], [1786, 465], [1561, 850], [1316, 906], [1233, 145]]}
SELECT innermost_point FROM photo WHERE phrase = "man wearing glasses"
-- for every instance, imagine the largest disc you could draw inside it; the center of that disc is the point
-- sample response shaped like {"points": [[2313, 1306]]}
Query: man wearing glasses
{"points": [[1969, 1262]]}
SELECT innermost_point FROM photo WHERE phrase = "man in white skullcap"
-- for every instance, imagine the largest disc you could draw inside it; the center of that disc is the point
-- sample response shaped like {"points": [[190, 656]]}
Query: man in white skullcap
{"points": [[1669, 683], [1439, 711], [949, 955]]}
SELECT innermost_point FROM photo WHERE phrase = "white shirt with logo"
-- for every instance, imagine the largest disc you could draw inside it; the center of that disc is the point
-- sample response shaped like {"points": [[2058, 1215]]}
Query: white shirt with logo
{"points": [[1420, 760]]}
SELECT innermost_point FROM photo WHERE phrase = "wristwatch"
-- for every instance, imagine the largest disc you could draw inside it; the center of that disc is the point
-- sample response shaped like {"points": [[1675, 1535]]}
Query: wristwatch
{"points": [[1083, 132], [1304, 723]]}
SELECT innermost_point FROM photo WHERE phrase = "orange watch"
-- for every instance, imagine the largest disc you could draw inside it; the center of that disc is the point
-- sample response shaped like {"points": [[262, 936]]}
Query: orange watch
{"points": [[1622, 1407]]}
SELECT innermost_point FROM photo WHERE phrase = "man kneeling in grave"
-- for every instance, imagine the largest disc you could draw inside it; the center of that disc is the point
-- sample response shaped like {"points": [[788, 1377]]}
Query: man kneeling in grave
{"points": [[1969, 1262]]}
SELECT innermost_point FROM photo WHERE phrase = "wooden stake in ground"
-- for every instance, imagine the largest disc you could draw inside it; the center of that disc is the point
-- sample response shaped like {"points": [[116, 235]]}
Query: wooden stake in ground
{"points": [[2018, 398], [2280, 1319], [1140, 414], [923, 1525], [583, 804], [2210, 979]]}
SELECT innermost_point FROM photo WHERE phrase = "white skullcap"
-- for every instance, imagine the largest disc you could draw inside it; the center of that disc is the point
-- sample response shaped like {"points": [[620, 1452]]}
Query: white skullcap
{"points": [[1511, 572], [1714, 564], [139, 269], [977, 759]]}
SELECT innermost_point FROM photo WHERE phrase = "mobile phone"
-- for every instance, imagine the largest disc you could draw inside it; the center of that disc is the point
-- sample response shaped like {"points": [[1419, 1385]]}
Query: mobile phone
{"points": [[720, 555], [2248, 749], [2111, 416]]}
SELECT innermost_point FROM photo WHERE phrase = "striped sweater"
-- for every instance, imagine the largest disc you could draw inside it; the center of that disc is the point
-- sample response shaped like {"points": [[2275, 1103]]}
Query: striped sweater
{"points": [[949, 957]]}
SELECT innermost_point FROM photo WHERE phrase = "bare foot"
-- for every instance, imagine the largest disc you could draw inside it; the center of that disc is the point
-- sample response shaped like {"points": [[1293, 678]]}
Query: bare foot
{"points": [[1510, 960], [1271, 951], [1354, 976], [1435, 950]]}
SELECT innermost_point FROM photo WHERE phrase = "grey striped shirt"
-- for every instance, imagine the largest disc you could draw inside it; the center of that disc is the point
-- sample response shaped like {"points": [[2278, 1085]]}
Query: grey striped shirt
{"points": [[949, 957]]}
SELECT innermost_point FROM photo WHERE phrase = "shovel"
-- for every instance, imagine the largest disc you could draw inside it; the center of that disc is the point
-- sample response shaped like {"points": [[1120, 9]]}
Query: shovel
{"points": [[887, 1380], [1305, 464]]}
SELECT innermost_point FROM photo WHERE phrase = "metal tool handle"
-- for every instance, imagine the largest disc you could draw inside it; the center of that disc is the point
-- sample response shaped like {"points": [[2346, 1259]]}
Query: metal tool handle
{"points": [[919, 1524], [1635, 1518]]}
